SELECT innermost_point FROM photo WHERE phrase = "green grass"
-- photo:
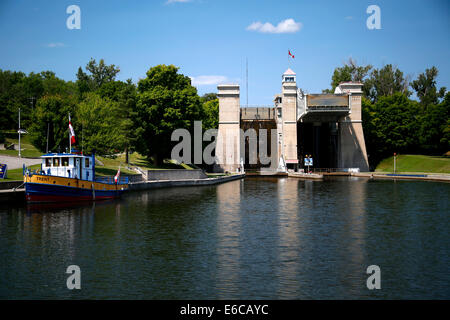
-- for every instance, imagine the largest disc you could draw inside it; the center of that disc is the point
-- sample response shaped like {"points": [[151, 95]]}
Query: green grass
{"points": [[415, 163], [16, 174], [28, 150], [111, 164]]}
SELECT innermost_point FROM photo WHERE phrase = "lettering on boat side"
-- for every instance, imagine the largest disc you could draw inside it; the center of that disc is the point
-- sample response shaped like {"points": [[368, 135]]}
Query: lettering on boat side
{"points": [[374, 281], [74, 280], [45, 179]]}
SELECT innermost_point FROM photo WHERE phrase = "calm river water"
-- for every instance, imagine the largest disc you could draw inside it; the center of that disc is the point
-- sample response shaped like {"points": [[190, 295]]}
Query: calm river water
{"points": [[258, 238]]}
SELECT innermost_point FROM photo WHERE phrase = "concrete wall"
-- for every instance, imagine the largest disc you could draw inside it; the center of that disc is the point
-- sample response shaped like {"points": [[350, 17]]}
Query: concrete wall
{"points": [[133, 177], [289, 118], [176, 174], [228, 139], [352, 147], [185, 183], [9, 184]]}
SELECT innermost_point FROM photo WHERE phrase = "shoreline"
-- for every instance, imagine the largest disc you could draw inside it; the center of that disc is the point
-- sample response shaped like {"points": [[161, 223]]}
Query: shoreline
{"points": [[404, 176], [8, 194]]}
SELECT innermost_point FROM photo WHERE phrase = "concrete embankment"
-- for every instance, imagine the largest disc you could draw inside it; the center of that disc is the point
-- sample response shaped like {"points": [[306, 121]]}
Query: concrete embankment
{"points": [[10, 191], [400, 176], [301, 175], [145, 185]]}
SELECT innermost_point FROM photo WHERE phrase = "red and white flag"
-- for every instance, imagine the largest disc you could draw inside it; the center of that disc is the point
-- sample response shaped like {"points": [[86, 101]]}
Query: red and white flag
{"points": [[72, 133], [290, 54], [116, 177]]}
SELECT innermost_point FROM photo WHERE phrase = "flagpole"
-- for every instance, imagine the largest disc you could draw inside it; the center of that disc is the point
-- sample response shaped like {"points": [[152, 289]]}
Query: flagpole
{"points": [[70, 138]]}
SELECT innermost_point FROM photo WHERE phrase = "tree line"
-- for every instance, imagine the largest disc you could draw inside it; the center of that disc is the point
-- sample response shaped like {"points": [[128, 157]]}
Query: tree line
{"points": [[109, 116], [392, 121]]}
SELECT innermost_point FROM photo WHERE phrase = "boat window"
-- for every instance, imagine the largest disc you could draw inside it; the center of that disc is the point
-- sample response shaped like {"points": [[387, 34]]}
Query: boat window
{"points": [[86, 162], [65, 162], [56, 162], [48, 162]]}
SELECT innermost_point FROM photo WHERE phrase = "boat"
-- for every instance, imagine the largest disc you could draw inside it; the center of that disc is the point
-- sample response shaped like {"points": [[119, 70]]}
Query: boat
{"points": [[70, 177]]}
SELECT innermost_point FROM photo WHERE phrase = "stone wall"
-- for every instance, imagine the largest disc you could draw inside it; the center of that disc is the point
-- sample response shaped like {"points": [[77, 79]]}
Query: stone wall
{"points": [[176, 174]]}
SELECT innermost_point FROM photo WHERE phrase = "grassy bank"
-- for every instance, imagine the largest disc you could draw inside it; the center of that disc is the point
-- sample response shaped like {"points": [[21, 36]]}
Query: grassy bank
{"points": [[28, 150], [16, 174], [415, 163], [112, 164]]}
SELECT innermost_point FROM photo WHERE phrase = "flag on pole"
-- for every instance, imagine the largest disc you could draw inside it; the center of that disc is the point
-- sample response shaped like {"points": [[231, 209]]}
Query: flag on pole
{"points": [[116, 177], [290, 54], [72, 133]]}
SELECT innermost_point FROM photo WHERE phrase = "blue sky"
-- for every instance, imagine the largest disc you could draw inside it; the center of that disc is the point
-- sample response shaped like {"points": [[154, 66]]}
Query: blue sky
{"points": [[210, 39]]}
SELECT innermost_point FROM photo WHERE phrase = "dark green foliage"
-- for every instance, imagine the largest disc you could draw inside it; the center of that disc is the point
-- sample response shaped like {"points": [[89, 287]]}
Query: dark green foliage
{"points": [[99, 74], [51, 113], [99, 125], [124, 93], [425, 87], [391, 125], [166, 101], [434, 133], [385, 82], [349, 72], [397, 124], [208, 97], [211, 114], [17, 90]]}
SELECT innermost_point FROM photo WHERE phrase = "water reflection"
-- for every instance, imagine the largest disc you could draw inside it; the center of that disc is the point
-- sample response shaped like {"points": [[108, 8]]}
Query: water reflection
{"points": [[258, 238], [228, 239], [289, 246]]}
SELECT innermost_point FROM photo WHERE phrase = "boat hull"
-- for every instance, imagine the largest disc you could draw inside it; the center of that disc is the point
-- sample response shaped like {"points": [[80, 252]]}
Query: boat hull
{"points": [[58, 189]]}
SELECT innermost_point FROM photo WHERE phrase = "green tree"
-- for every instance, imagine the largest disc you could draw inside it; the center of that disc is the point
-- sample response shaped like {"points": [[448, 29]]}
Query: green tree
{"points": [[51, 113], [99, 124], [211, 114], [425, 87], [124, 93], [208, 97], [98, 74], [434, 133], [166, 101], [391, 125], [351, 71], [385, 82]]}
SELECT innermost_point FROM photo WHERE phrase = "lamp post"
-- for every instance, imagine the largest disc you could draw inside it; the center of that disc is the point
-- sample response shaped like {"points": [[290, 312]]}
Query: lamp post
{"points": [[395, 158]]}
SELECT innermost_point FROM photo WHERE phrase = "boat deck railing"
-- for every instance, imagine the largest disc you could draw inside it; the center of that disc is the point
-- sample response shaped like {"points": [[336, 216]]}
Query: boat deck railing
{"points": [[110, 180], [102, 179]]}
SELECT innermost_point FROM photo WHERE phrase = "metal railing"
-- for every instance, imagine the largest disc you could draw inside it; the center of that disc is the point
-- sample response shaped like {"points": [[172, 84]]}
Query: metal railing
{"points": [[110, 180]]}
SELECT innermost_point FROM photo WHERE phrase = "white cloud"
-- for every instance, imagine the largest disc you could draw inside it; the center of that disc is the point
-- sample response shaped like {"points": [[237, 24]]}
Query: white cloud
{"points": [[285, 26], [207, 80], [55, 45]]}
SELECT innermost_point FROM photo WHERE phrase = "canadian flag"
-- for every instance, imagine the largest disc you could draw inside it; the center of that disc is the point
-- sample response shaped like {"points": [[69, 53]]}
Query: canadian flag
{"points": [[290, 54], [116, 177], [72, 133]]}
